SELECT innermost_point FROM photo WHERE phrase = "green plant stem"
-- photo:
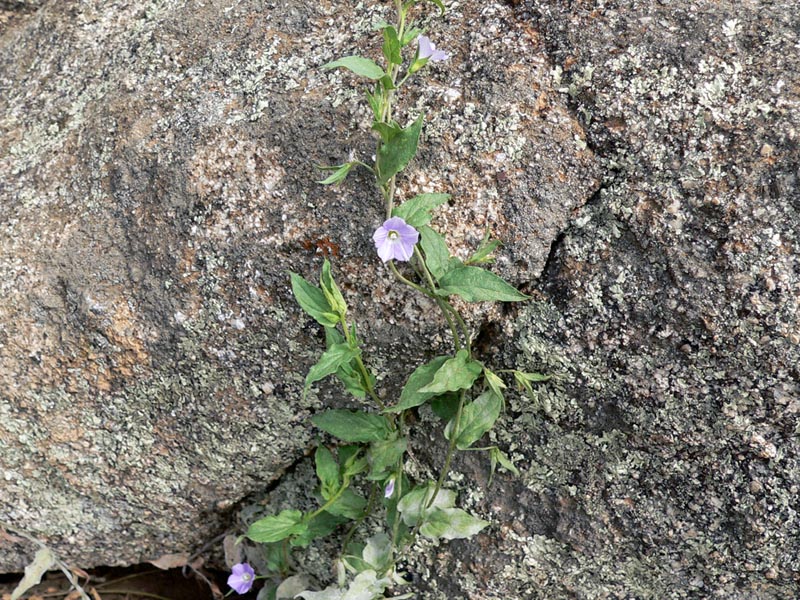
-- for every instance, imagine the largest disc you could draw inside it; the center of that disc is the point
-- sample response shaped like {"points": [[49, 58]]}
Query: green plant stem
{"points": [[447, 309], [450, 449], [357, 522], [329, 503], [361, 367]]}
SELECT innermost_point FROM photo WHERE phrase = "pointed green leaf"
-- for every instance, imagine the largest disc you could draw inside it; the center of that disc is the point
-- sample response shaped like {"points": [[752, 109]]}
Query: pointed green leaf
{"points": [[531, 377], [439, 4], [277, 527], [483, 254], [437, 256], [349, 505], [414, 505], [320, 526], [422, 376], [394, 155], [495, 384], [410, 35], [378, 551], [451, 524], [477, 418], [327, 471], [387, 131], [417, 211], [312, 301], [474, 284], [446, 406], [331, 361], [331, 291], [524, 380], [358, 65], [375, 100], [504, 460], [391, 46], [383, 457], [458, 373], [339, 173], [353, 426]]}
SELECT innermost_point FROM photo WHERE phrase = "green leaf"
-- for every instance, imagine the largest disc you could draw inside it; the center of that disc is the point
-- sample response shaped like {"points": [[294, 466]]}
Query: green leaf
{"points": [[327, 471], [531, 377], [331, 361], [394, 155], [451, 524], [437, 256], [422, 376], [375, 100], [440, 4], [353, 426], [458, 373], [358, 65], [277, 527], [498, 456], [483, 254], [387, 131], [331, 291], [474, 284], [495, 384], [414, 505], [312, 301], [524, 380], [410, 35], [339, 173], [446, 406], [477, 418], [391, 46], [378, 551], [320, 526], [351, 460], [349, 505], [383, 457], [417, 211]]}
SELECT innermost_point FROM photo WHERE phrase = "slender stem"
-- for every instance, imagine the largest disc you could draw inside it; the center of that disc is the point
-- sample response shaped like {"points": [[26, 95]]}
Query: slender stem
{"points": [[329, 503], [444, 306], [363, 369], [409, 283], [357, 522], [450, 449]]}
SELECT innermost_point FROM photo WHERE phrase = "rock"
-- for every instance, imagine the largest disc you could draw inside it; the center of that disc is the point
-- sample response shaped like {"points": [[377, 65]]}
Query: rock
{"points": [[158, 164], [662, 462]]}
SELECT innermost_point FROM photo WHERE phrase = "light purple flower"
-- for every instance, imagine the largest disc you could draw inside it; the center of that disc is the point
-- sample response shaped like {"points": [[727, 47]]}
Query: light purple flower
{"points": [[387, 493], [242, 578], [395, 239], [427, 49]]}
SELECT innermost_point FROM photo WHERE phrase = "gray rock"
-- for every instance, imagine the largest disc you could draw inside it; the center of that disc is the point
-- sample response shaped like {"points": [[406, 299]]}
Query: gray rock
{"points": [[663, 461], [157, 163]]}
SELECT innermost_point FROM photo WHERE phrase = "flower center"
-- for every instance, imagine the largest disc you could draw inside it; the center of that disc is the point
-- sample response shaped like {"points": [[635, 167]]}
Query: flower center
{"points": [[245, 576], [393, 235]]}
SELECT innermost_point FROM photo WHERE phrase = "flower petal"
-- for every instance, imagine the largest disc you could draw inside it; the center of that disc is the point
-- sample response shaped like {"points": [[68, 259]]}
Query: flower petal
{"points": [[425, 46]]}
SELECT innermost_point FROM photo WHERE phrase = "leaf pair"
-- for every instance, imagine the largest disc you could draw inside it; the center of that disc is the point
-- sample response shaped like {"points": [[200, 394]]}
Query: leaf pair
{"points": [[441, 375], [473, 284], [437, 518]]}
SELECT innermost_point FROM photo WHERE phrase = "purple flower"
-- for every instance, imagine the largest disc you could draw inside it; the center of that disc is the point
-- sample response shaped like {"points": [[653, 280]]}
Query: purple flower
{"points": [[427, 49], [242, 578], [387, 493], [395, 239]]}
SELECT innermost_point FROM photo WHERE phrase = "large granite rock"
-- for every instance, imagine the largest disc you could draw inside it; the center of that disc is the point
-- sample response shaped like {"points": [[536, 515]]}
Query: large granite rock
{"points": [[157, 167], [663, 462]]}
